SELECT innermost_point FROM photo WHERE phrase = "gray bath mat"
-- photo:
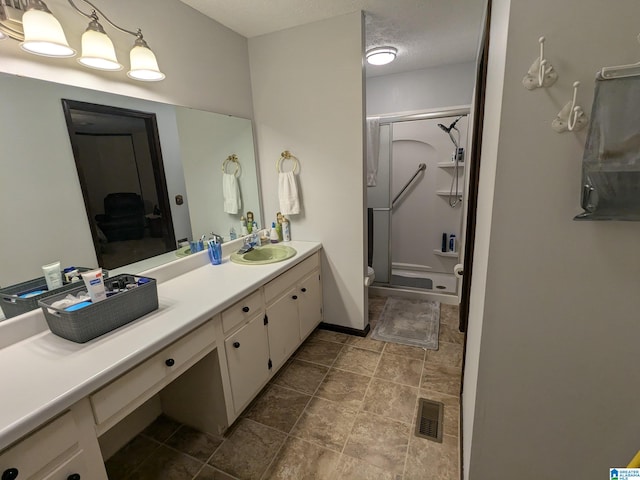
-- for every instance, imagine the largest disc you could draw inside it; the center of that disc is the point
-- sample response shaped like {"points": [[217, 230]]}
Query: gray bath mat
{"points": [[409, 321]]}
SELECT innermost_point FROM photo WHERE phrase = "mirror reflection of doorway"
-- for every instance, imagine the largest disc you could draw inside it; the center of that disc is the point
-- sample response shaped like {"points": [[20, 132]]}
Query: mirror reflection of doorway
{"points": [[119, 164]]}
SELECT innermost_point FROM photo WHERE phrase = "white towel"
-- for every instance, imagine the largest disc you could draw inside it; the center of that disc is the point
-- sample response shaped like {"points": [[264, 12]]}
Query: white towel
{"points": [[288, 194], [373, 148], [231, 193]]}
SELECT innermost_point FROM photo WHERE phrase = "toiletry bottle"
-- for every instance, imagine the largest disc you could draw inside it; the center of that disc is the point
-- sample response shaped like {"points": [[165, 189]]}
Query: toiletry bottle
{"points": [[279, 230], [452, 243], [286, 230], [243, 227], [444, 242], [273, 235], [232, 233]]}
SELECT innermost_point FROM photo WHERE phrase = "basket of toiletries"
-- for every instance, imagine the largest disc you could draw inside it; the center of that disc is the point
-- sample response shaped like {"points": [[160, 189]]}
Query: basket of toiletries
{"points": [[82, 313], [23, 297]]}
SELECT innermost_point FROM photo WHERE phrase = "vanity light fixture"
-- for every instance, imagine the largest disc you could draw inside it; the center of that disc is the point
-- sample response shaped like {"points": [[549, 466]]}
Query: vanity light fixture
{"points": [[381, 55], [43, 35]]}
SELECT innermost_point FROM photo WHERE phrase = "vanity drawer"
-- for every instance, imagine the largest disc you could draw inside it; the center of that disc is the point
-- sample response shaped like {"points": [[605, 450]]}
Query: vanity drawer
{"points": [[290, 277], [41, 448], [138, 384], [76, 465], [242, 311]]}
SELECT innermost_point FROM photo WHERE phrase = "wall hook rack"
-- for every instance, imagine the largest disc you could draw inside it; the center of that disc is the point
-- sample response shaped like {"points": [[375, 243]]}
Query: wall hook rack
{"points": [[541, 73], [572, 117]]}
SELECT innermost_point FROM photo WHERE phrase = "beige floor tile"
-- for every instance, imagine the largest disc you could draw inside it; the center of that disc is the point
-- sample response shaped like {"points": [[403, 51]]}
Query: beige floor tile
{"points": [[161, 428], [344, 387], [410, 351], [279, 408], [451, 409], [301, 376], [441, 378], [428, 459], [450, 334], [325, 423], [301, 460], [192, 442], [379, 441], [366, 343], [319, 351], [329, 336], [120, 465], [399, 369], [210, 473], [248, 451], [449, 354], [391, 400], [350, 468], [449, 315], [357, 360], [167, 464]]}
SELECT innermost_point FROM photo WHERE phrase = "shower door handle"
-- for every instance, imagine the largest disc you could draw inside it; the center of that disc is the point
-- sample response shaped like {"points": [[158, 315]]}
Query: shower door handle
{"points": [[381, 209]]}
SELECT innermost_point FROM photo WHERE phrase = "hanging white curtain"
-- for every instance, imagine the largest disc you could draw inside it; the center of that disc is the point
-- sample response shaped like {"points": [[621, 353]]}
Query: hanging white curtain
{"points": [[373, 149]]}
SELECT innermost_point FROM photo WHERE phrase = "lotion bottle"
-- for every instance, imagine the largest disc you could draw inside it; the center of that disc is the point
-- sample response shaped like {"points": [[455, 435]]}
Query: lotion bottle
{"points": [[286, 230], [273, 235]]}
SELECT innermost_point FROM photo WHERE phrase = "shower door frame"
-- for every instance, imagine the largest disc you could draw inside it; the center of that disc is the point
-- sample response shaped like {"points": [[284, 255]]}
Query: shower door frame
{"points": [[451, 298]]}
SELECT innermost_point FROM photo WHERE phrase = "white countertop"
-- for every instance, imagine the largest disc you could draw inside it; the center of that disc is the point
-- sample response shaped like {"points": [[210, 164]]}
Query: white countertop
{"points": [[44, 374]]}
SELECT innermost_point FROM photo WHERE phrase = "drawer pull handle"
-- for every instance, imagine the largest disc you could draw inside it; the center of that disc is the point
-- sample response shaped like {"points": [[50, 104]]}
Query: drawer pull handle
{"points": [[74, 476], [295, 297], [303, 289], [10, 474], [236, 344], [170, 362], [245, 309]]}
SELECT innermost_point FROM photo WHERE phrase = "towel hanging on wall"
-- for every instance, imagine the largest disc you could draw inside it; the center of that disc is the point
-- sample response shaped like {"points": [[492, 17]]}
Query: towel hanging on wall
{"points": [[232, 203], [373, 149], [287, 188]]}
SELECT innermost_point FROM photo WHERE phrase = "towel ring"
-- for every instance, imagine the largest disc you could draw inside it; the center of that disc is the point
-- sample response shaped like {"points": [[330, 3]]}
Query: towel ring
{"points": [[286, 155], [231, 158]]}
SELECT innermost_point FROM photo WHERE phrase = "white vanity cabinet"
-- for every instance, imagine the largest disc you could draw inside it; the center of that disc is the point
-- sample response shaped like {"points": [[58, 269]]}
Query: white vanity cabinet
{"points": [[284, 312]]}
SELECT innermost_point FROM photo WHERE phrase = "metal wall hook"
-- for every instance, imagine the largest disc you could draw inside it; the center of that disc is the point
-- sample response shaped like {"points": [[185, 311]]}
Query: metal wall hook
{"points": [[541, 73], [572, 117]]}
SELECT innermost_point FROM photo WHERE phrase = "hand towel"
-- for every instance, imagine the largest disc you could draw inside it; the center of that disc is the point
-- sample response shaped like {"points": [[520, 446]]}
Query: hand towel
{"points": [[373, 148], [231, 193], [288, 194]]}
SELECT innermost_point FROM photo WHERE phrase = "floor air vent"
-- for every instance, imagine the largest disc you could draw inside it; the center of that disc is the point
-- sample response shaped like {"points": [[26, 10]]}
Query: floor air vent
{"points": [[429, 422]]}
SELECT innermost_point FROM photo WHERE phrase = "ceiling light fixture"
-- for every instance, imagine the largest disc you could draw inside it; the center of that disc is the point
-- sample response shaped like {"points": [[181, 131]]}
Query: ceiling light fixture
{"points": [[42, 34], [381, 55]]}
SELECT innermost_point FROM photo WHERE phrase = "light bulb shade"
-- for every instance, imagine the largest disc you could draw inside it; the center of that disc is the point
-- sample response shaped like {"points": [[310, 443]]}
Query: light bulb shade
{"points": [[2, 35], [144, 65], [43, 35], [98, 51], [381, 55]]}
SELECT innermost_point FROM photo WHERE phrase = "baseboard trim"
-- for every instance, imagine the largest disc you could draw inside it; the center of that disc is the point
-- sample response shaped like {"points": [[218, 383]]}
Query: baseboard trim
{"points": [[347, 330]]}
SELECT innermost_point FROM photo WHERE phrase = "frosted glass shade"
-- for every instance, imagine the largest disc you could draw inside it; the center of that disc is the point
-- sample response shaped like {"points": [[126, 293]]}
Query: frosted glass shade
{"points": [[144, 65], [43, 35], [381, 55], [98, 51], [2, 36]]}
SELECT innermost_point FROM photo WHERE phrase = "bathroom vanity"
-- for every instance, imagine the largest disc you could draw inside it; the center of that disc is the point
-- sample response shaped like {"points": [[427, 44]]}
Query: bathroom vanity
{"points": [[220, 333]]}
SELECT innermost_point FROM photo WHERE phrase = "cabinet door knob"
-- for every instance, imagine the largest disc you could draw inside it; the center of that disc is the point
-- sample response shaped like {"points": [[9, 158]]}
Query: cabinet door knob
{"points": [[295, 297], [303, 289], [74, 476], [245, 309], [236, 344], [10, 474], [169, 362]]}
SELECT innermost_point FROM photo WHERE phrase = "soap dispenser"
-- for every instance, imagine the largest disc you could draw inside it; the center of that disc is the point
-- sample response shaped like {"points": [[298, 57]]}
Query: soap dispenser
{"points": [[273, 235]]}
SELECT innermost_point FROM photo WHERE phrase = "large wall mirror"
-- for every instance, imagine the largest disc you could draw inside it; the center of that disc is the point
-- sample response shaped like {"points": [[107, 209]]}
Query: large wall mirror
{"points": [[44, 218]]}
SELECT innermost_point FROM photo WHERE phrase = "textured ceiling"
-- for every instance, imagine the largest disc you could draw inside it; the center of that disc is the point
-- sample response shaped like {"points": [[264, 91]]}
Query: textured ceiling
{"points": [[426, 33]]}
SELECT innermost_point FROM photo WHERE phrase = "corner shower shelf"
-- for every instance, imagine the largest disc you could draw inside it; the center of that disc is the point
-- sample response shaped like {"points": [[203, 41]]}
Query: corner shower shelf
{"points": [[440, 253], [449, 165]]}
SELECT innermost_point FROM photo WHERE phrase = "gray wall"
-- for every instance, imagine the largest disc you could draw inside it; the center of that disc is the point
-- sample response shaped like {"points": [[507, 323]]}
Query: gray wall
{"points": [[553, 338]]}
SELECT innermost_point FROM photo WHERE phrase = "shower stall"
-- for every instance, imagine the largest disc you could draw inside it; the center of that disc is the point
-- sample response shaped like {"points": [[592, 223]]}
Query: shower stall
{"points": [[414, 198]]}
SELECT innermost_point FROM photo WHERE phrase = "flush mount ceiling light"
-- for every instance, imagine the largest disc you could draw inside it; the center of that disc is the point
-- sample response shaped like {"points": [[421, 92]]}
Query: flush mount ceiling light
{"points": [[41, 33], [381, 55]]}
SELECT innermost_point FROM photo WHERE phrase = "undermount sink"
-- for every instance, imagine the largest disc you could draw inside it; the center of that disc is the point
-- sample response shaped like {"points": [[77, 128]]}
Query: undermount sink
{"points": [[263, 255]]}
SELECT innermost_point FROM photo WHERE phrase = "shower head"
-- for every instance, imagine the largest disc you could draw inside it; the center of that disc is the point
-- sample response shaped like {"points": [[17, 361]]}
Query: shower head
{"points": [[446, 129], [450, 127]]}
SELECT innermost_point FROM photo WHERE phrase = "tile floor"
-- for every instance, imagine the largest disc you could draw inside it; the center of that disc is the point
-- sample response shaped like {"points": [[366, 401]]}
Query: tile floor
{"points": [[343, 407]]}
